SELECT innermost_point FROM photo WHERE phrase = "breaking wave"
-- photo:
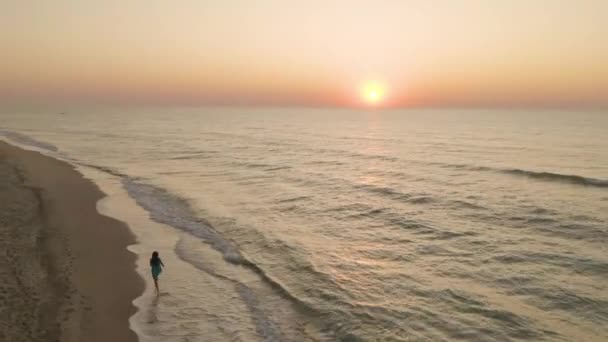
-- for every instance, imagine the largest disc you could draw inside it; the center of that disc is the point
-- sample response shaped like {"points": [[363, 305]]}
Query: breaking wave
{"points": [[540, 175], [26, 140], [557, 177]]}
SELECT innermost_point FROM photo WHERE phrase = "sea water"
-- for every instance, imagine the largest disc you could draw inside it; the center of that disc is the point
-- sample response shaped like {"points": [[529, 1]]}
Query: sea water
{"points": [[299, 224]]}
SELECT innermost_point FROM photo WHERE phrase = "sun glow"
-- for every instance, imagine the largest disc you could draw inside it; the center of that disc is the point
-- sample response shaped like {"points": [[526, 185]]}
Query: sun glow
{"points": [[373, 93]]}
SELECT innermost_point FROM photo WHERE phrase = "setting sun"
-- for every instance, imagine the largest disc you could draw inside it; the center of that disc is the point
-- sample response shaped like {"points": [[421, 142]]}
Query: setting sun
{"points": [[373, 93]]}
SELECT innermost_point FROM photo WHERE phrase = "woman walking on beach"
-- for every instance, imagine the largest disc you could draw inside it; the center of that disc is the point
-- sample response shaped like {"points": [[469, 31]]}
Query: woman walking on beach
{"points": [[156, 264]]}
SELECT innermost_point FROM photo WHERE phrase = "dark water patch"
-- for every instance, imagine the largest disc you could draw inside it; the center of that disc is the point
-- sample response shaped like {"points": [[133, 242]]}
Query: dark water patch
{"points": [[250, 182], [466, 205], [574, 263], [585, 218], [349, 207], [485, 217], [573, 231], [459, 297], [421, 200], [595, 309], [545, 176], [559, 178], [298, 208], [308, 182], [467, 167], [378, 157], [479, 322], [175, 173], [251, 165], [539, 220], [594, 232], [324, 162], [289, 208], [393, 240], [514, 325], [379, 190], [510, 258], [255, 128], [480, 242], [419, 228], [551, 298], [241, 147], [395, 194], [277, 168], [408, 224], [371, 213], [598, 232], [192, 156], [518, 218], [293, 199], [513, 282], [387, 192], [541, 211]]}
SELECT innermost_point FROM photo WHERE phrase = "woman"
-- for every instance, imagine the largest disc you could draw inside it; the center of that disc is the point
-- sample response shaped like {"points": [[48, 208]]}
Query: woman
{"points": [[155, 264]]}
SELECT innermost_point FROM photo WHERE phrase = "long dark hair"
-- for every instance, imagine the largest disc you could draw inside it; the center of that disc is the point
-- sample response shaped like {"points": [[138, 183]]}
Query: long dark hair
{"points": [[154, 260]]}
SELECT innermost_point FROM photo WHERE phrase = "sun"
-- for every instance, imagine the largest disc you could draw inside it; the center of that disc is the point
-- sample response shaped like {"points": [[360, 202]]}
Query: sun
{"points": [[373, 93]]}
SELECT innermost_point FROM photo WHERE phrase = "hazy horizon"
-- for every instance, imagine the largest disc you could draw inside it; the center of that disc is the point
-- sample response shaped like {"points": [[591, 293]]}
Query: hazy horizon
{"points": [[274, 53]]}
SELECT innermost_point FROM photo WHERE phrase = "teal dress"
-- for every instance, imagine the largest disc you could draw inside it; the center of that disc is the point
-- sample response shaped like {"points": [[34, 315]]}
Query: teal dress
{"points": [[156, 268]]}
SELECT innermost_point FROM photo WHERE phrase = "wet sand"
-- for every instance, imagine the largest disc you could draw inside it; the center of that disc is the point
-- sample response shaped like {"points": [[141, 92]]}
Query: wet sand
{"points": [[65, 271]]}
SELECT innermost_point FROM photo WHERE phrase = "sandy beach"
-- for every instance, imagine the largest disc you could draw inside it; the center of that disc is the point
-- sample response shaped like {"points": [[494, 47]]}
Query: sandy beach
{"points": [[65, 271]]}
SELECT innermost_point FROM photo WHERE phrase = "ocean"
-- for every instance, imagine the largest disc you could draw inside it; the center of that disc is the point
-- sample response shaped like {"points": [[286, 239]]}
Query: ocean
{"points": [[303, 224]]}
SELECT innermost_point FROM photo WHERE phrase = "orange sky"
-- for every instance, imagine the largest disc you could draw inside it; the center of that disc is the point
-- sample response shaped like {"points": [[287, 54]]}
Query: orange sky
{"points": [[432, 53]]}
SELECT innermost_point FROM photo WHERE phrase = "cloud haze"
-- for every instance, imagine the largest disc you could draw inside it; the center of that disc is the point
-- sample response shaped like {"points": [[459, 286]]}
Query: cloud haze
{"points": [[436, 53]]}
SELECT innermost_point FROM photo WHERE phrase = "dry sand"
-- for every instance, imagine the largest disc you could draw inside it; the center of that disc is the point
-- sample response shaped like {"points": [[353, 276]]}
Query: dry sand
{"points": [[65, 272]]}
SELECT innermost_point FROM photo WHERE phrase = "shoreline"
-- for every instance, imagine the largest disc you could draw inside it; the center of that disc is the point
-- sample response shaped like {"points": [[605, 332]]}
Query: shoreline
{"points": [[68, 273]]}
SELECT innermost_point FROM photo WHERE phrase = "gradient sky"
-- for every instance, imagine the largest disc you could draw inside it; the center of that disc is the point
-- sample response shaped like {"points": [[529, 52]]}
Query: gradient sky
{"points": [[312, 52]]}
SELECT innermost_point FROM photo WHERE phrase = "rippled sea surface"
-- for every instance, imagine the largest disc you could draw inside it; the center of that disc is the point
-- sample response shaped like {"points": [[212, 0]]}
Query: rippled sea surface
{"points": [[416, 225]]}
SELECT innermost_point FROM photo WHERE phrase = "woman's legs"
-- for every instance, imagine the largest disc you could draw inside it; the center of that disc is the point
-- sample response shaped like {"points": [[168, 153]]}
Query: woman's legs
{"points": [[156, 284]]}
